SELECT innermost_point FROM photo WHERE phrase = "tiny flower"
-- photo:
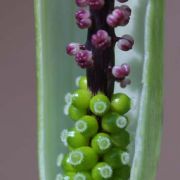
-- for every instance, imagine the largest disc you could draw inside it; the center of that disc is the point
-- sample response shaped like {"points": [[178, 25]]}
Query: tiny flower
{"points": [[125, 43], [120, 72], [83, 19], [82, 3], [84, 58], [125, 82], [96, 4], [126, 68], [122, 1], [101, 39], [72, 49], [120, 16]]}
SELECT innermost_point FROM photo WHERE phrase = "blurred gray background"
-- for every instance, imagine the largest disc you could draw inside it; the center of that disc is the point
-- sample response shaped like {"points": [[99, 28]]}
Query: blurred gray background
{"points": [[18, 159]]}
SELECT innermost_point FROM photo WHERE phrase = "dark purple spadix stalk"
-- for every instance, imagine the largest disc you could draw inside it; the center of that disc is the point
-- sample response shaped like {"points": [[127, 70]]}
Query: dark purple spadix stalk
{"points": [[97, 55]]}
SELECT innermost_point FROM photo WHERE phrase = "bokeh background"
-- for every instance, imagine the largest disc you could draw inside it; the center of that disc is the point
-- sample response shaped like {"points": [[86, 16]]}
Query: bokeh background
{"points": [[18, 157]]}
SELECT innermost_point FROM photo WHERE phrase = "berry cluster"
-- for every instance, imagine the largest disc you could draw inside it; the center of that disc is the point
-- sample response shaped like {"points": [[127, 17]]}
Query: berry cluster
{"points": [[98, 141]]}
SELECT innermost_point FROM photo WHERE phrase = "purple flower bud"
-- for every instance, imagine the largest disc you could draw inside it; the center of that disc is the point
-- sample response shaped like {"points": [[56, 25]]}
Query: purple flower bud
{"points": [[96, 4], [122, 1], [82, 3], [101, 39], [84, 58], [119, 17], [126, 69], [83, 18], [125, 82], [120, 72], [126, 10], [72, 49], [125, 43]]}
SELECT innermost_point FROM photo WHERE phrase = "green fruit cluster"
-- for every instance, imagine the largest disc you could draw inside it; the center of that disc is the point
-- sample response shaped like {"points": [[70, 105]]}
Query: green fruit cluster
{"points": [[98, 141]]}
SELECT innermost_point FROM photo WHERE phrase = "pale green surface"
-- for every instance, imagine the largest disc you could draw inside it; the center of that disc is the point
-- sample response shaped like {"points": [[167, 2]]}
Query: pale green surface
{"points": [[56, 72]]}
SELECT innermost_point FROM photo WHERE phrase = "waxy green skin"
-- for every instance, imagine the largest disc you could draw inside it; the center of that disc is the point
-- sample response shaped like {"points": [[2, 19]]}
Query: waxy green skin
{"points": [[54, 29]]}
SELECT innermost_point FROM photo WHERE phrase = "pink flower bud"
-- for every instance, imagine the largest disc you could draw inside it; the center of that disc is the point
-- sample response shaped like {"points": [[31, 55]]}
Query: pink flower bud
{"points": [[126, 68], [82, 3], [96, 4], [83, 18], [125, 43], [72, 49], [101, 39], [119, 17], [84, 58], [120, 72]]}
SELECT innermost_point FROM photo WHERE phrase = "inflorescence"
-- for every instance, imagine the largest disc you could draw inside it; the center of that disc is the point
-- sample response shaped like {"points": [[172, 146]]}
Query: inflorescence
{"points": [[98, 141]]}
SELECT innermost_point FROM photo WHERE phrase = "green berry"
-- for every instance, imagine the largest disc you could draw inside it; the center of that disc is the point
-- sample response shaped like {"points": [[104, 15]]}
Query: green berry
{"points": [[75, 113], [87, 126], [73, 138], [99, 104], [122, 174], [82, 176], [81, 82], [101, 143], [102, 171], [81, 98], [121, 139], [69, 175], [113, 122], [116, 158], [120, 103], [83, 158], [66, 166], [76, 139], [59, 177]]}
